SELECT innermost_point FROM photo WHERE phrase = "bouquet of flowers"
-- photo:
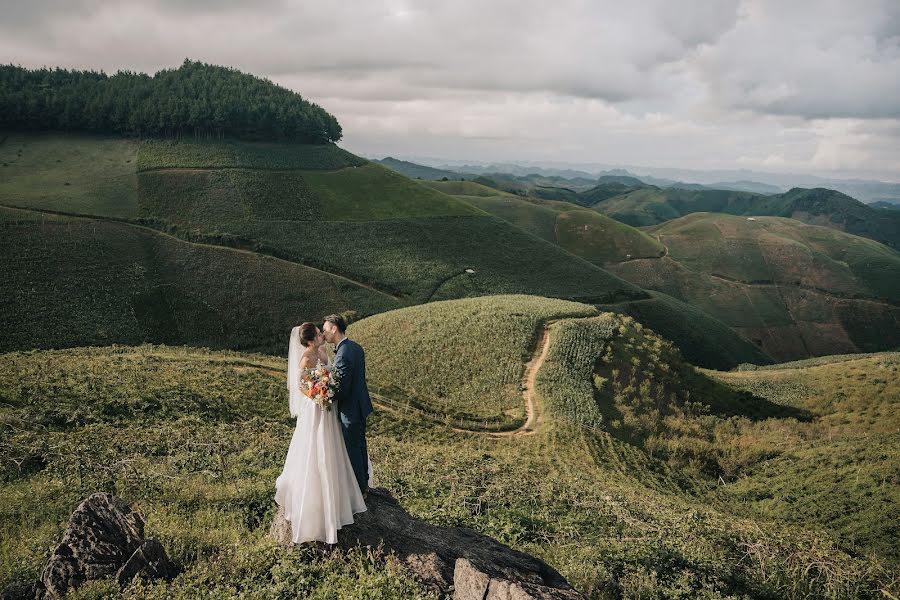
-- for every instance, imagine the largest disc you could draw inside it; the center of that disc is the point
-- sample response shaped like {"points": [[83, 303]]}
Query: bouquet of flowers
{"points": [[320, 385]]}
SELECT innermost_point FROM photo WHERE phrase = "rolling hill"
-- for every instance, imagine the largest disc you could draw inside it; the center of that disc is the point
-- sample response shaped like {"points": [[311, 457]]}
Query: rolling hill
{"points": [[796, 290], [582, 232], [381, 238], [651, 205], [614, 483], [416, 171], [72, 281]]}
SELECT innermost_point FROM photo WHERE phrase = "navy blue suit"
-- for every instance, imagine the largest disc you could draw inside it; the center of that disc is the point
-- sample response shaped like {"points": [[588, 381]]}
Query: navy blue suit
{"points": [[354, 405]]}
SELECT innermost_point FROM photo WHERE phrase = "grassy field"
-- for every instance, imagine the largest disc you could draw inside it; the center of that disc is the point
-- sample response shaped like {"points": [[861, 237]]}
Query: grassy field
{"points": [[840, 470], [466, 188], [494, 335], [796, 290], [773, 249], [537, 218], [99, 282], [374, 226], [195, 439], [373, 193], [702, 339], [192, 439], [649, 411], [74, 173]]}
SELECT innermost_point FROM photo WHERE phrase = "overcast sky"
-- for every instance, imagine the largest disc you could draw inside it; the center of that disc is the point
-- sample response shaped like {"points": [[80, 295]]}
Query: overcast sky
{"points": [[783, 85]]}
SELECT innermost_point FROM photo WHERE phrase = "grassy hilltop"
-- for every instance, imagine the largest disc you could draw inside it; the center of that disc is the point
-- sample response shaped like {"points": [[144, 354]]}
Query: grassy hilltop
{"points": [[797, 290], [375, 238], [616, 487]]}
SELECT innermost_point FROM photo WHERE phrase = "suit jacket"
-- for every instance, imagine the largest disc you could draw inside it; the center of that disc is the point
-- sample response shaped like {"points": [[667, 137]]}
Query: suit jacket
{"points": [[352, 396]]}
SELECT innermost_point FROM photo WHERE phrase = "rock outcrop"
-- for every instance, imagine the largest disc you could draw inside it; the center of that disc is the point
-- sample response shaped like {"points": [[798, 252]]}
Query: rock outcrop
{"points": [[476, 566], [104, 538]]}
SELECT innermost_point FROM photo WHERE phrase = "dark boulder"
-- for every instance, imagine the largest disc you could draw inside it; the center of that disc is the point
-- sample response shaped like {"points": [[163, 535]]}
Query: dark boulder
{"points": [[477, 566], [104, 538]]}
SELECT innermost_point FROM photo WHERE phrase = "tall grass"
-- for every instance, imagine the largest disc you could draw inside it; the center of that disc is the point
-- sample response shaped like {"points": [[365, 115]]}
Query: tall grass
{"points": [[195, 439]]}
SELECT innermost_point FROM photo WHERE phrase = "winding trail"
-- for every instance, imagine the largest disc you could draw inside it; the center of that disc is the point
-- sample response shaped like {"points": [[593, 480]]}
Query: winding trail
{"points": [[533, 415]]}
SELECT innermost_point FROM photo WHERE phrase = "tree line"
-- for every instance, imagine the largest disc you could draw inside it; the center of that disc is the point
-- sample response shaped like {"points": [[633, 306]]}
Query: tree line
{"points": [[196, 99]]}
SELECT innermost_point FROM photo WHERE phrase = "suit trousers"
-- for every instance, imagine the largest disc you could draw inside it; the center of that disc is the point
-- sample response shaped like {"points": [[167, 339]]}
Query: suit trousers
{"points": [[357, 450]]}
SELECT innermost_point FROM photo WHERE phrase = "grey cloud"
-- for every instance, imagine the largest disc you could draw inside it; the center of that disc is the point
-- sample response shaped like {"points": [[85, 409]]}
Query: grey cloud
{"points": [[731, 80], [810, 59]]}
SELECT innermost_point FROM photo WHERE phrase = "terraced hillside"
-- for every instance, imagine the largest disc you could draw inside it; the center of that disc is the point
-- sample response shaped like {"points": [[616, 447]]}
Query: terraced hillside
{"points": [[195, 440], [796, 290], [650, 205], [382, 239]]}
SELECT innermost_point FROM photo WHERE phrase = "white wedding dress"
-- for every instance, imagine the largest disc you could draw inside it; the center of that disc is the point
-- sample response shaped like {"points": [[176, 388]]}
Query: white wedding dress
{"points": [[317, 487]]}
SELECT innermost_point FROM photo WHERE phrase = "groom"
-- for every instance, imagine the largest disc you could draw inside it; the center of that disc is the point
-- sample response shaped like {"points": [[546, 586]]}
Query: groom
{"points": [[352, 397]]}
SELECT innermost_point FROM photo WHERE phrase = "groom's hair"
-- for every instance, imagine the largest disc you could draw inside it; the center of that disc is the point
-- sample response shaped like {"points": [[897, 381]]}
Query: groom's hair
{"points": [[338, 321]]}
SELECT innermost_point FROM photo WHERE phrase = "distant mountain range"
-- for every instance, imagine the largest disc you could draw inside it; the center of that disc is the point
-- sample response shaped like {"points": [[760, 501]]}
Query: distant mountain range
{"points": [[635, 201], [864, 190]]}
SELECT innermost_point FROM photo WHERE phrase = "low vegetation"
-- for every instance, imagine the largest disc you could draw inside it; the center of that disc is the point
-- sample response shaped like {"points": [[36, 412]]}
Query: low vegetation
{"points": [[582, 232], [79, 174], [75, 282], [195, 439], [479, 355]]}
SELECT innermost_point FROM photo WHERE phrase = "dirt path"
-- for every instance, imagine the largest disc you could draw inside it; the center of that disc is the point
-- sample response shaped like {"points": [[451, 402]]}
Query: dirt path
{"points": [[533, 416], [665, 248], [531, 370]]}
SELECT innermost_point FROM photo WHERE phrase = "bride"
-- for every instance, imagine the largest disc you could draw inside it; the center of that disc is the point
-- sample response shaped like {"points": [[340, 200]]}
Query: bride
{"points": [[317, 488]]}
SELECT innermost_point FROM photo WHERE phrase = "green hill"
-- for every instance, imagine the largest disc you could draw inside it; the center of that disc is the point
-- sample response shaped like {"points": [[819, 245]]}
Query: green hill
{"points": [[74, 282], [853, 449], [416, 171], [386, 240], [796, 290], [465, 188], [651, 205], [582, 232], [594, 499], [631, 387], [626, 506], [703, 339], [495, 336]]}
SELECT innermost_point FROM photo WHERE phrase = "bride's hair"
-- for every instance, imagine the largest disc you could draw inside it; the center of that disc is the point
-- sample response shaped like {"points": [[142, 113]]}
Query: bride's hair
{"points": [[308, 332]]}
